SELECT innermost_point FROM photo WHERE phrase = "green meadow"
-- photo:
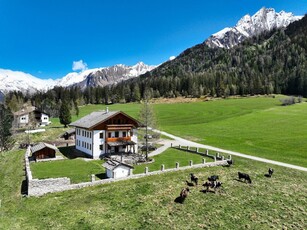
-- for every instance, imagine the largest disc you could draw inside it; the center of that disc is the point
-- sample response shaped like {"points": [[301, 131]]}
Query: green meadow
{"points": [[257, 126], [278, 202]]}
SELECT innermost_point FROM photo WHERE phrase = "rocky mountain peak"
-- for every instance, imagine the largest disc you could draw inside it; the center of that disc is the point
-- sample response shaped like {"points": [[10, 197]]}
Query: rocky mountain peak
{"points": [[265, 19]]}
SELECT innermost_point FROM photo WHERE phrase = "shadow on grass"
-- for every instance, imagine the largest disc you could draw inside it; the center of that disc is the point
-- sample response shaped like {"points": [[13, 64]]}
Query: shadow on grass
{"points": [[24, 188], [71, 152], [179, 200], [101, 176]]}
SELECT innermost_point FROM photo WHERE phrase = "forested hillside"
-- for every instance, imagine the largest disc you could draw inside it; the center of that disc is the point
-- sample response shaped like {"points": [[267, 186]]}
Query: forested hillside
{"points": [[273, 62]]}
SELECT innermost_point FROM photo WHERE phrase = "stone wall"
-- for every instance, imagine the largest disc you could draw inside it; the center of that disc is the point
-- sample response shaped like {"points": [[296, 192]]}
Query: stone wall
{"points": [[38, 187]]}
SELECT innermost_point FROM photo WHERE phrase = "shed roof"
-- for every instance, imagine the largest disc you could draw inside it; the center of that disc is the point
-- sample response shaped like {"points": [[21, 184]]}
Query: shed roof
{"points": [[112, 164], [69, 132], [96, 118], [41, 146]]}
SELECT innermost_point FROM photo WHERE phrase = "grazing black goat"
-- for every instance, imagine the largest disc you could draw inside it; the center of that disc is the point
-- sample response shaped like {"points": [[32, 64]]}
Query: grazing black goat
{"points": [[194, 178], [271, 171], [213, 178], [212, 184], [229, 162], [184, 194], [245, 177]]}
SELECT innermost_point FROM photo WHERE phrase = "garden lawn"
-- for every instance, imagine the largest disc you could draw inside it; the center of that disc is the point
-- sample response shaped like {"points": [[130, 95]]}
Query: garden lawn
{"points": [[77, 170], [278, 202], [169, 159]]}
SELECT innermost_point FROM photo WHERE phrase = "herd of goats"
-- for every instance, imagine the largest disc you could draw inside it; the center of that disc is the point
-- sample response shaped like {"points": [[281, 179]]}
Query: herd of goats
{"points": [[213, 183]]}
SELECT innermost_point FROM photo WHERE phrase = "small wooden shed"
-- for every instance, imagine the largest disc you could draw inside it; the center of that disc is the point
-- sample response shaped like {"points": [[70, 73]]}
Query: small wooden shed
{"points": [[116, 169], [43, 151], [69, 134]]}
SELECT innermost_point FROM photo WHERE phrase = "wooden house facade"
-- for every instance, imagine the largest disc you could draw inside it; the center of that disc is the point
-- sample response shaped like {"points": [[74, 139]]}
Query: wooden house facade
{"points": [[104, 133]]}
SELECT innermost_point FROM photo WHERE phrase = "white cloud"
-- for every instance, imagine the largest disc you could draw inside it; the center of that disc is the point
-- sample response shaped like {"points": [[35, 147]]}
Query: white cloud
{"points": [[172, 58], [79, 65]]}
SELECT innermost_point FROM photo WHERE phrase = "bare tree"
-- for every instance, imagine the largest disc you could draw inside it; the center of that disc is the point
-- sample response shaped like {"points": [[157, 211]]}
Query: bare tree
{"points": [[147, 118]]}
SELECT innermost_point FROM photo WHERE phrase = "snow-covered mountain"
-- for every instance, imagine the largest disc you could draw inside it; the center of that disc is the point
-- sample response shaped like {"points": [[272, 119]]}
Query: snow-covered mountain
{"points": [[104, 76], [265, 19], [20, 81]]}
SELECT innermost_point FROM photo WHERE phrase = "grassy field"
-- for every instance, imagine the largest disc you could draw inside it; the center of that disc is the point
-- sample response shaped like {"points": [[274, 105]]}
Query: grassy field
{"points": [[148, 203], [256, 126], [77, 170]]}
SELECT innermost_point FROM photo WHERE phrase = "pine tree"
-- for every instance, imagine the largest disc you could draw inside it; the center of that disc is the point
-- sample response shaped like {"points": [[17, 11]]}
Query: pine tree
{"points": [[65, 116], [6, 118]]}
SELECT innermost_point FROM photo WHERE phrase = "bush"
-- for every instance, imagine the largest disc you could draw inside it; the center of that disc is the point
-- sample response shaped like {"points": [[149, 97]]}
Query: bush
{"points": [[287, 101]]}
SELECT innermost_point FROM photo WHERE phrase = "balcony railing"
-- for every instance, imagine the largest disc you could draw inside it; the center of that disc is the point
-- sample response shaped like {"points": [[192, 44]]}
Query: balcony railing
{"points": [[114, 139]]}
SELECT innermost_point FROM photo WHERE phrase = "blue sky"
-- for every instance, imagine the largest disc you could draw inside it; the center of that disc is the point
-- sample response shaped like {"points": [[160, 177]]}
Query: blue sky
{"points": [[45, 37]]}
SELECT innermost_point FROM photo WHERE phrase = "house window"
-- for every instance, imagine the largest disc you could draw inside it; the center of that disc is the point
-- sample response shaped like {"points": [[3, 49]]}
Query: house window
{"points": [[109, 134], [101, 135], [124, 134], [116, 134], [90, 135], [101, 147], [87, 146], [90, 146]]}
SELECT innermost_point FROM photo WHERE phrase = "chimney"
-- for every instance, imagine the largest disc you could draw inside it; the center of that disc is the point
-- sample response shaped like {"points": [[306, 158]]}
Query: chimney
{"points": [[107, 110]]}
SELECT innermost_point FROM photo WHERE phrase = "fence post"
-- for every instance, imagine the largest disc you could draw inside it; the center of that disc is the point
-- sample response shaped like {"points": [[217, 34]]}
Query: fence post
{"points": [[146, 170], [93, 177], [188, 147], [222, 158], [197, 150], [207, 152], [179, 147], [204, 161], [171, 145], [162, 167], [191, 163], [217, 154], [214, 159], [229, 157], [177, 165]]}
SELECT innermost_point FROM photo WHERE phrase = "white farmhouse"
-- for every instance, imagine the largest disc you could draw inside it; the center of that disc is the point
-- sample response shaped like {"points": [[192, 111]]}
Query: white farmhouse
{"points": [[104, 133], [31, 115], [116, 169]]}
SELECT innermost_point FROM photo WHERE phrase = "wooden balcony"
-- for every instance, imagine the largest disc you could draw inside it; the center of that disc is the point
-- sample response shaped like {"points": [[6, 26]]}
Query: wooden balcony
{"points": [[119, 127], [115, 139]]}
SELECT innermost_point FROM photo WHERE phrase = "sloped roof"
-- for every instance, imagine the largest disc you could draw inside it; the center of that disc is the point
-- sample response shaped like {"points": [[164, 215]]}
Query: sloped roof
{"points": [[41, 146], [96, 118], [26, 110], [69, 132], [112, 164]]}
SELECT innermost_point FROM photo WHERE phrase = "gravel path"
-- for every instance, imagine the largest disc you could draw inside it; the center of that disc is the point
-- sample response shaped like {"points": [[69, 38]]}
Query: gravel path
{"points": [[180, 141]]}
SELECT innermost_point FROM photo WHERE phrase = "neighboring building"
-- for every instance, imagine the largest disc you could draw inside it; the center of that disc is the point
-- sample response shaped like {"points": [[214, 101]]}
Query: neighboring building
{"points": [[30, 114], [106, 132], [43, 151], [116, 169], [69, 134]]}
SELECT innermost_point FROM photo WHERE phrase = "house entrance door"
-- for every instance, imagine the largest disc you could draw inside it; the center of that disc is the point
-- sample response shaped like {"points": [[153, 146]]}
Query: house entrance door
{"points": [[116, 149]]}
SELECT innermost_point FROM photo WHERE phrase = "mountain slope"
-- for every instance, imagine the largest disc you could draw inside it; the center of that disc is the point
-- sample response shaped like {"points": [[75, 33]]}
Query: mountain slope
{"points": [[272, 62], [109, 75], [248, 26], [20, 81]]}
